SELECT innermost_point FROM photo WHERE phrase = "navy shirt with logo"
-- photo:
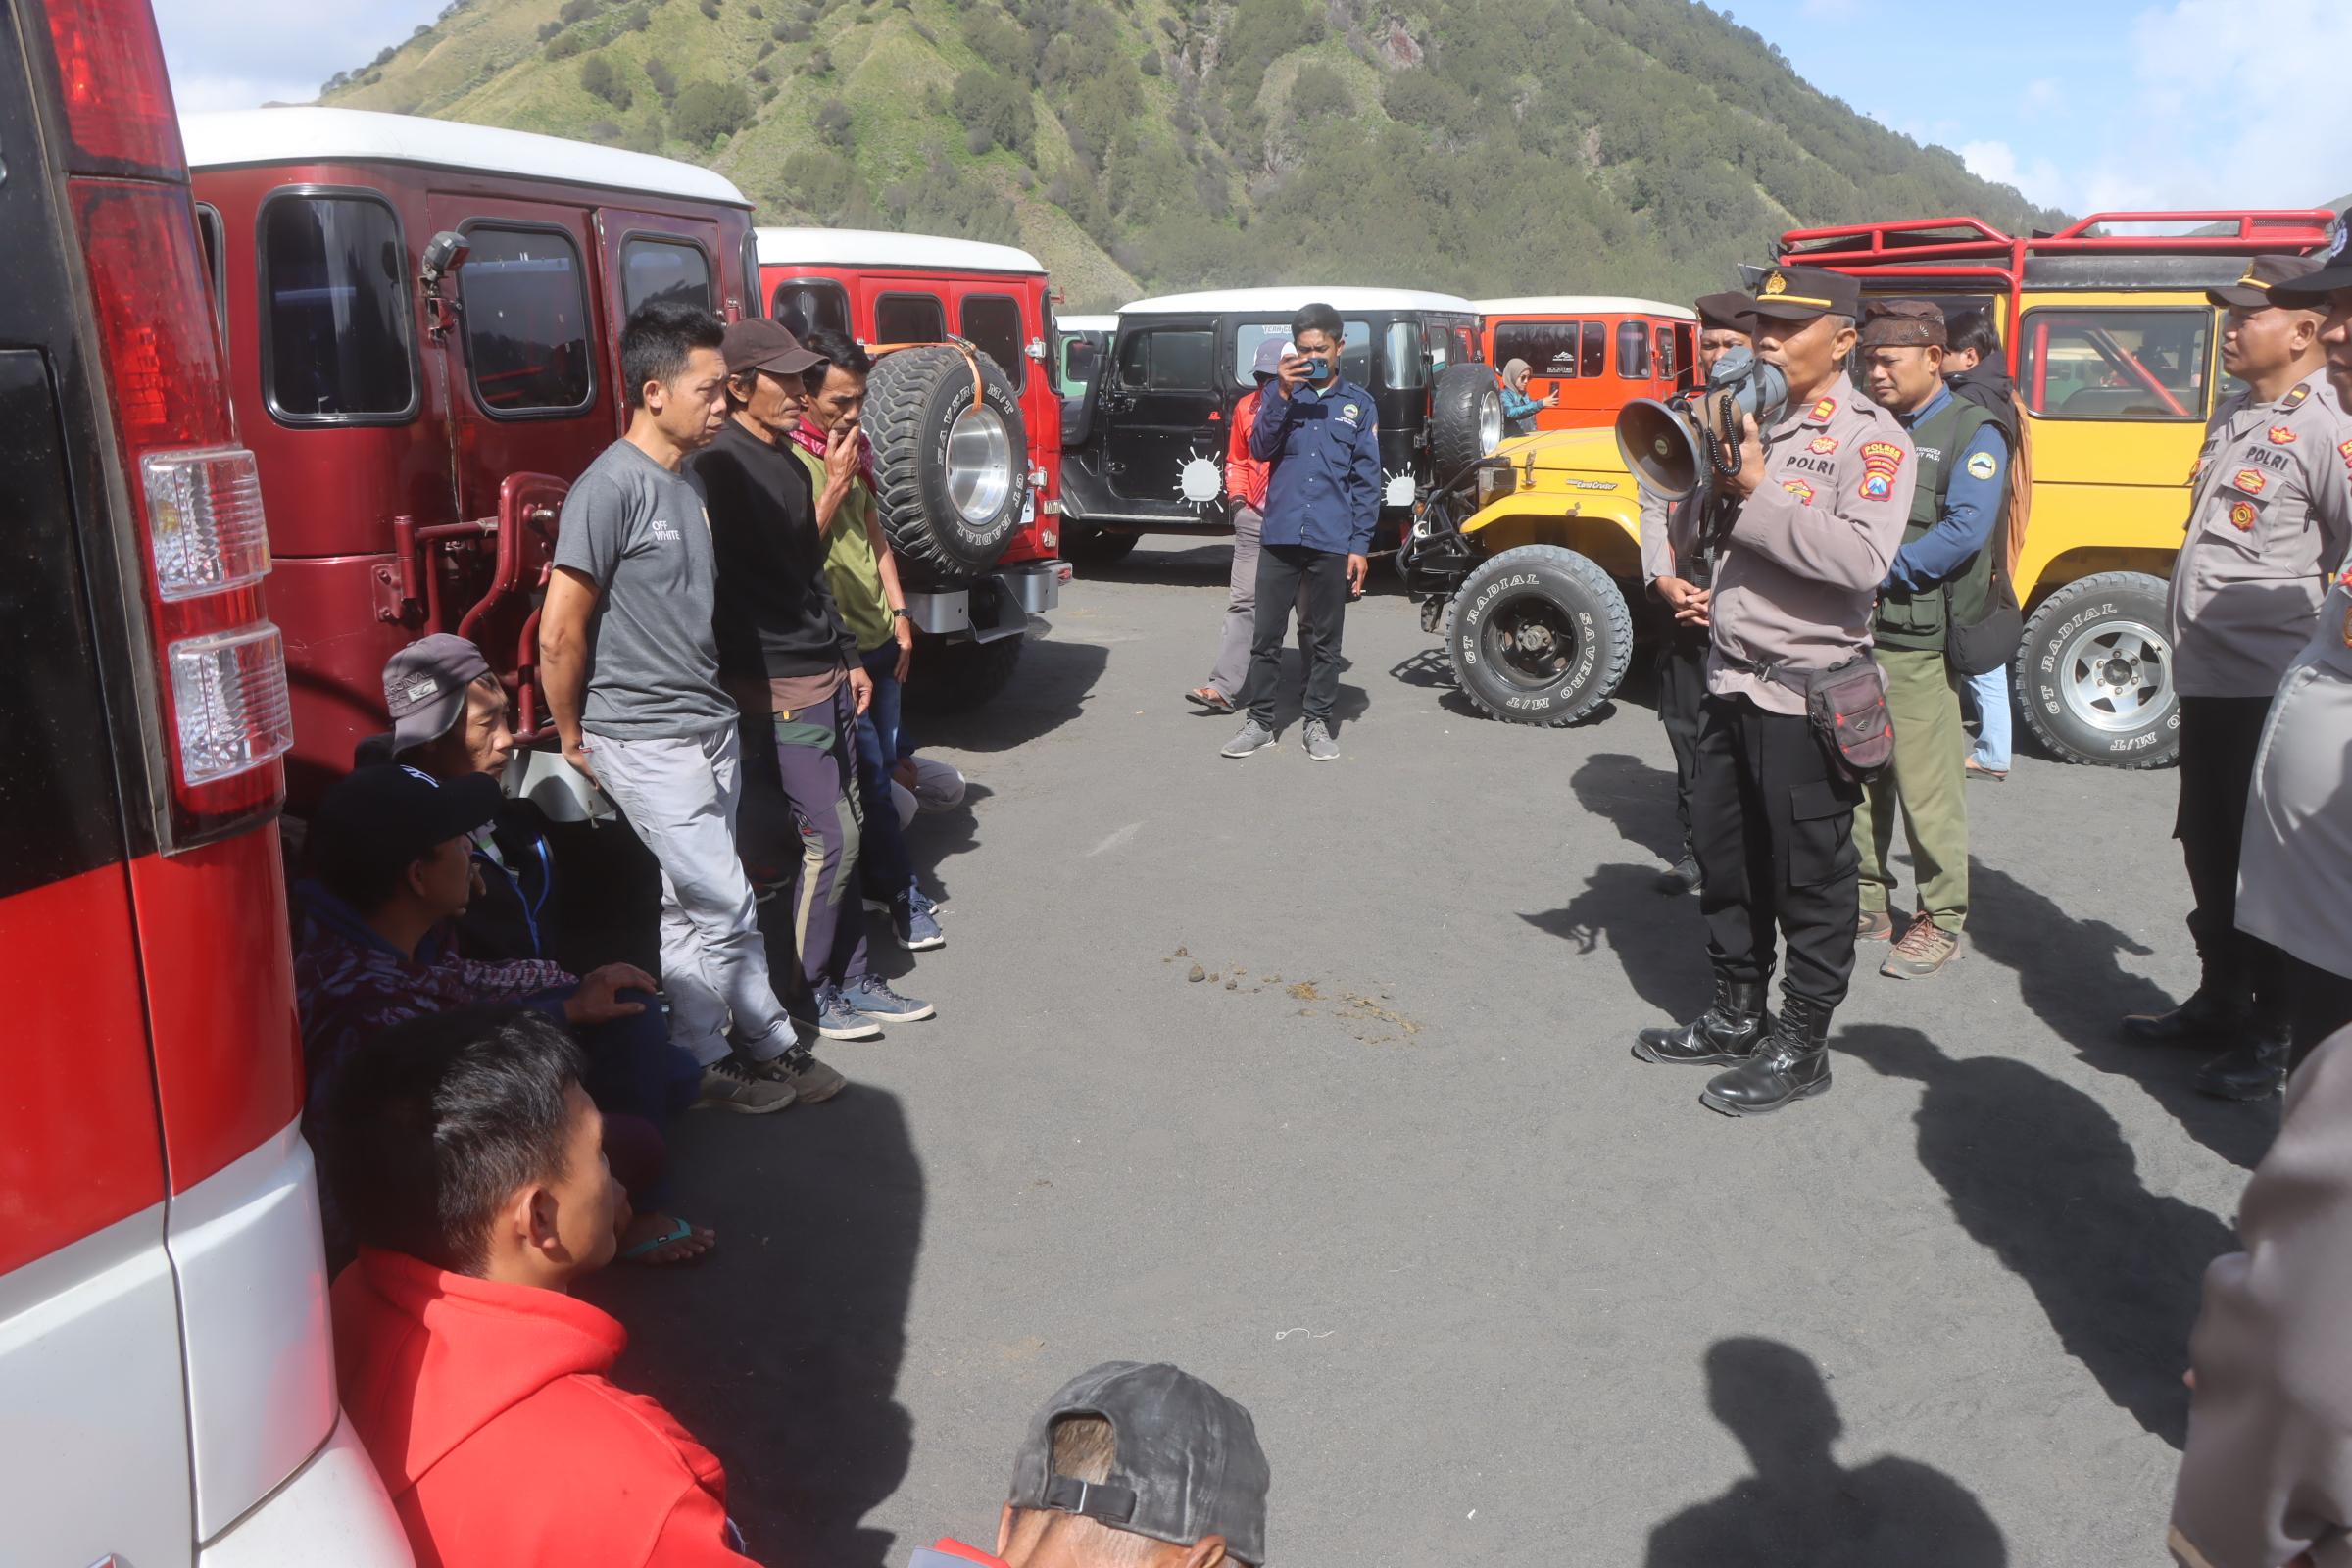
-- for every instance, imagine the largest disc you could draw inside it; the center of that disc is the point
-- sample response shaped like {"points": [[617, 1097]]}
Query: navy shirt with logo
{"points": [[1324, 489]]}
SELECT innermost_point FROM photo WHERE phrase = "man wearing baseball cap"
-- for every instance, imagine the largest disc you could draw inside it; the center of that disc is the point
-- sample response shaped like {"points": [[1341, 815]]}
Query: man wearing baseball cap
{"points": [[1678, 570], [1815, 511], [2269, 518], [1246, 485], [1130, 1467]]}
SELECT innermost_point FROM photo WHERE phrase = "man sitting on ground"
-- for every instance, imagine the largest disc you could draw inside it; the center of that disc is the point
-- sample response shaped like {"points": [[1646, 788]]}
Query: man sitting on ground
{"points": [[466, 1158], [390, 870], [1130, 1467]]}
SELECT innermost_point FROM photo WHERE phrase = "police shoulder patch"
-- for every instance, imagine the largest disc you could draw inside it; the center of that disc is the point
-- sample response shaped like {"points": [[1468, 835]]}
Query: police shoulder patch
{"points": [[2253, 481], [2242, 515], [2344, 449], [1821, 409], [1983, 466], [2294, 399]]}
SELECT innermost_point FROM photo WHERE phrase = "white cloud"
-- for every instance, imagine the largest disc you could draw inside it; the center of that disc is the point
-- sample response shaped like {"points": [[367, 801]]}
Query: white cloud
{"points": [[2038, 177], [238, 54]]}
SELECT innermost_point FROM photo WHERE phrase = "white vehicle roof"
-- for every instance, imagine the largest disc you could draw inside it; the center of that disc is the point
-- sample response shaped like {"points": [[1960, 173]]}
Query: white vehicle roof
{"points": [[1281, 301], [867, 247], [1584, 304], [247, 136], [1087, 323]]}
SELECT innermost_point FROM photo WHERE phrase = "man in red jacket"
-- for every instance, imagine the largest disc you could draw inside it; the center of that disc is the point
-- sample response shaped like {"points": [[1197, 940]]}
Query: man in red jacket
{"points": [[467, 1160]]}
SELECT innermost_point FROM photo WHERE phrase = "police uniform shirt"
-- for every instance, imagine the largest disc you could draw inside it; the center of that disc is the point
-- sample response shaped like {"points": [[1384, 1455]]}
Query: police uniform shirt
{"points": [[1669, 535], [2270, 517], [1798, 581], [2294, 870]]}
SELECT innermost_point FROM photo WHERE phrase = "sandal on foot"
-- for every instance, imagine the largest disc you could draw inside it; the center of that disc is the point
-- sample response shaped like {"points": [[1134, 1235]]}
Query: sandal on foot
{"points": [[1208, 697], [671, 1235]]}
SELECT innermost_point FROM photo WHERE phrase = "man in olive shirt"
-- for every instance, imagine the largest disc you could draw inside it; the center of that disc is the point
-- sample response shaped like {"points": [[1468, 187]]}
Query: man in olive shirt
{"points": [[631, 670], [2268, 520]]}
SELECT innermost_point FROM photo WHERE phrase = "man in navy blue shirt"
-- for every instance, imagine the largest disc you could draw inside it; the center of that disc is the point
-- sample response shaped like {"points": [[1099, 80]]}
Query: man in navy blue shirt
{"points": [[1322, 437]]}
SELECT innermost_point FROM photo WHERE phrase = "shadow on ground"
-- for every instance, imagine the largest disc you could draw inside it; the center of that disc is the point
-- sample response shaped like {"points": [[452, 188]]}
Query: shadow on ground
{"points": [[781, 1351], [2039, 1174], [1655, 936], [2069, 975], [1800, 1506], [1049, 687]]}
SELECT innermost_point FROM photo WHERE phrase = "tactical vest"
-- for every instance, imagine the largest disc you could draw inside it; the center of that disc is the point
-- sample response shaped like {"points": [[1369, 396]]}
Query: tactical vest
{"points": [[1917, 620]]}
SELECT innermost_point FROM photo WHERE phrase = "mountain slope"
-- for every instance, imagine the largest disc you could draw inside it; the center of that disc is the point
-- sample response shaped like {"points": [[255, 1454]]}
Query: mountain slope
{"points": [[1479, 146]]}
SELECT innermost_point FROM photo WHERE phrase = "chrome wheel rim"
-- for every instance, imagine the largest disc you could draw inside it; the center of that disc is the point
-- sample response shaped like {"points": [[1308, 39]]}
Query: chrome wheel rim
{"points": [[2115, 676], [980, 471]]}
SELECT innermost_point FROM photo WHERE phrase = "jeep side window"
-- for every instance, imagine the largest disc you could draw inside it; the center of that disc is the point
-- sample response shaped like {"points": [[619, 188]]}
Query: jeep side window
{"points": [[525, 309], [803, 308], [909, 319], [2115, 365], [1168, 359], [1549, 347], [1595, 360], [670, 270], [335, 321], [1403, 350], [992, 322], [1632, 352]]}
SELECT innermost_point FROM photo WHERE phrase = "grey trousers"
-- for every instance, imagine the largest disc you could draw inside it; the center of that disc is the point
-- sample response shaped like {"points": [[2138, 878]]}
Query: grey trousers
{"points": [[1240, 609], [680, 795]]}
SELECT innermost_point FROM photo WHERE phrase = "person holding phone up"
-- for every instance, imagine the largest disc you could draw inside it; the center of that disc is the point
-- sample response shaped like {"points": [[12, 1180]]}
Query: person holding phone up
{"points": [[1320, 435]]}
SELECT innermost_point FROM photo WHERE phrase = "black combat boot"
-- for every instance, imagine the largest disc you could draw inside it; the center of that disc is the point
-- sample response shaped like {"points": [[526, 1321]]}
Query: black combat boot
{"points": [[1682, 876], [1791, 1063], [1728, 1031], [2214, 1014], [2255, 1068]]}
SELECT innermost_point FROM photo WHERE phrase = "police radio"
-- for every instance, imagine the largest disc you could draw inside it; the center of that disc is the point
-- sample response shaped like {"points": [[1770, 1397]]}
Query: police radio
{"points": [[1692, 440]]}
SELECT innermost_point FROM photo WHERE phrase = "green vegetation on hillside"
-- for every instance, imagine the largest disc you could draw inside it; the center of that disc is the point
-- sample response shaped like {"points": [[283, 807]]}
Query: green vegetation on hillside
{"points": [[1479, 146]]}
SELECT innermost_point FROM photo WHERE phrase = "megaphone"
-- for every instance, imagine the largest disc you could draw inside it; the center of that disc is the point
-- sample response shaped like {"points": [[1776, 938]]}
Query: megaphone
{"points": [[1687, 443]]}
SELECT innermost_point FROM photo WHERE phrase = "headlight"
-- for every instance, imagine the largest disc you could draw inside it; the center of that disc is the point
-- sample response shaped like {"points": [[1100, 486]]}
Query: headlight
{"points": [[1495, 481]]}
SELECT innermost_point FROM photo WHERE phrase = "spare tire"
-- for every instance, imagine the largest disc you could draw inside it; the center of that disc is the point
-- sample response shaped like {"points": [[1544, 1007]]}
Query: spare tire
{"points": [[950, 469], [1465, 418]]}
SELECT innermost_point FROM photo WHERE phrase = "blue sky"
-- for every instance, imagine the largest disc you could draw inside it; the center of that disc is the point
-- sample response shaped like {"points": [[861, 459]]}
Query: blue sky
{"points": [[2082, 104]]}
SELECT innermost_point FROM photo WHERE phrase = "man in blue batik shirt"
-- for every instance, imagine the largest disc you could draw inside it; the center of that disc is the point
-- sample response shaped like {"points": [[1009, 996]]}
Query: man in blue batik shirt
{"points": [[1942, 577], [1322, 437]]}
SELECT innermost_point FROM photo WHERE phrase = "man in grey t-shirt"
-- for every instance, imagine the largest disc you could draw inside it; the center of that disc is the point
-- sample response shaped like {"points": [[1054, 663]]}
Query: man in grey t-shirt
{"points": [[631, 672]]}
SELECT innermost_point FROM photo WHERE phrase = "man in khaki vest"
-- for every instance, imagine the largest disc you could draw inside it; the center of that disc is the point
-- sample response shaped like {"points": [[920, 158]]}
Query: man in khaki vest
{"points": [[1942, 576]]}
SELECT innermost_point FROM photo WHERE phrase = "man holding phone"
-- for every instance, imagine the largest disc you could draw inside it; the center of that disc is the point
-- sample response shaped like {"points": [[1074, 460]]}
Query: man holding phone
{"points": [[1320, 436]]}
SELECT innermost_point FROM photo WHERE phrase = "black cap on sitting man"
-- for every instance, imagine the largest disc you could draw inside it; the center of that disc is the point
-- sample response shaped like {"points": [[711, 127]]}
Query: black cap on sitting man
{"points": [[1127, 1451], [374, 825]]}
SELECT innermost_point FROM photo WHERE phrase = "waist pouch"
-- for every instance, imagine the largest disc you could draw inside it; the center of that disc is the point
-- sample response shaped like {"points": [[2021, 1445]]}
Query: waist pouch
{"points": [[1848, 705], [1988, 645]]}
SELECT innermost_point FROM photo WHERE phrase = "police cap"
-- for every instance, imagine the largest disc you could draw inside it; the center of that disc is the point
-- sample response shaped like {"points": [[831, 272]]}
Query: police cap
{"points": [[1801, 293], [2263, 274], [2334, 272], [1727, 311]]}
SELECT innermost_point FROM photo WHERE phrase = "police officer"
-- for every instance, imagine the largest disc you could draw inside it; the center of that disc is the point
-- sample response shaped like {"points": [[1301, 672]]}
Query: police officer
{"points": [[1942, 577], [1678, 570], [1821, 499], [1321, 434], [2269, 518]]}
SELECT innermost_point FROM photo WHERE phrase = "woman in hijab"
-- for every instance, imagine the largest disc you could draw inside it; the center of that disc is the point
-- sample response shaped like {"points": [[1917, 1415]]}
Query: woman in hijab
{"points": [[1518, 409]]}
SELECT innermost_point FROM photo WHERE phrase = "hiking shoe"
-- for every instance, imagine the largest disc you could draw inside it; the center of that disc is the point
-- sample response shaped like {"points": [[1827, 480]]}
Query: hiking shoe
{"points": [[1873, 925], [836, 1020], [812, 1082], [732, 1083], [1682, 877], [872, 996], [1320, 746], [913, 924], [1925, 948], [1254, 737]]}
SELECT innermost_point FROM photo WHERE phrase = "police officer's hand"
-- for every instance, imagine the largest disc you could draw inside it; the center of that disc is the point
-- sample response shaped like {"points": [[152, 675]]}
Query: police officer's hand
{"points": [[1752, 461], [596, 1003], [861, 689], [1357, 566], [1686, 599]]}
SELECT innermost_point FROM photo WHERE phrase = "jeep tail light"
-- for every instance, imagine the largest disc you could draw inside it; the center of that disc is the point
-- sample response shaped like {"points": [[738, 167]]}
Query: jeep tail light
{"points": [[204, 520], [117, 98], [222, 689]]}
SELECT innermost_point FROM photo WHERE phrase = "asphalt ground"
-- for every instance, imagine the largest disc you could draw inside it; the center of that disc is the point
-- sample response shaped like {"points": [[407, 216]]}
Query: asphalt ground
{"points": [[1497, 1292]]}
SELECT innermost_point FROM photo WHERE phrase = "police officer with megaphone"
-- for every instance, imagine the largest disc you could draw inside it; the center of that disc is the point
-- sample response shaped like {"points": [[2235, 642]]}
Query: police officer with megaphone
{"points": [[1809, 505]]}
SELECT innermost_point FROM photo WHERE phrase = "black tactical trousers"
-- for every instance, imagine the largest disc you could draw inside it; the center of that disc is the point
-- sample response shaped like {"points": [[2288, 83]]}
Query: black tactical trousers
{"points": [[1773, 823], [1316, 582], [1681, 685], [2218, 736]]}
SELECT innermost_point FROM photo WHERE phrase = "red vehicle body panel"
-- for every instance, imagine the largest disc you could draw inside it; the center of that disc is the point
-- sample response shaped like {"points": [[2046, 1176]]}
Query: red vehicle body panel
{"points": [[380, 532], [863, 286]]}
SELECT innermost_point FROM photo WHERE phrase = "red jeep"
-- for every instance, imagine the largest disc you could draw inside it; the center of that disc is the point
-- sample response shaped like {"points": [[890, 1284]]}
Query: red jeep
{"points": [[423, 330], [967, 449]]}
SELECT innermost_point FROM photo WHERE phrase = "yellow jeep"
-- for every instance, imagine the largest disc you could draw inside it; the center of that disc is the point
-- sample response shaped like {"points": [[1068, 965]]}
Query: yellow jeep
{"points": [[1531, 563]]}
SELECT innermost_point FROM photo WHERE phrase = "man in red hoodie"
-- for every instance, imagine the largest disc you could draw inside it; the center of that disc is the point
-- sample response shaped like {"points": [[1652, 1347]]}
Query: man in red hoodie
{"points": [[468, 1161]]}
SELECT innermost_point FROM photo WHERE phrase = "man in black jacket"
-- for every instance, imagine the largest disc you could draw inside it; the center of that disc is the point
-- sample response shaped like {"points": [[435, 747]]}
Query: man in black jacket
{"points": [[1977, 371], [791, 664]]}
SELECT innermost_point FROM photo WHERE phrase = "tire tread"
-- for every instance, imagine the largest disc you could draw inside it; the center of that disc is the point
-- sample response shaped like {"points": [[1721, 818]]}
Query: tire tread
{"points": [[1586, 572]]}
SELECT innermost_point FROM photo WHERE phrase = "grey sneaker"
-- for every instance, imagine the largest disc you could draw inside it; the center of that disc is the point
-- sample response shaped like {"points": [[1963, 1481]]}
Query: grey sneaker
{"points": [[1320, 746], [733, 1084], [810, 1081], [1254, 737]]}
